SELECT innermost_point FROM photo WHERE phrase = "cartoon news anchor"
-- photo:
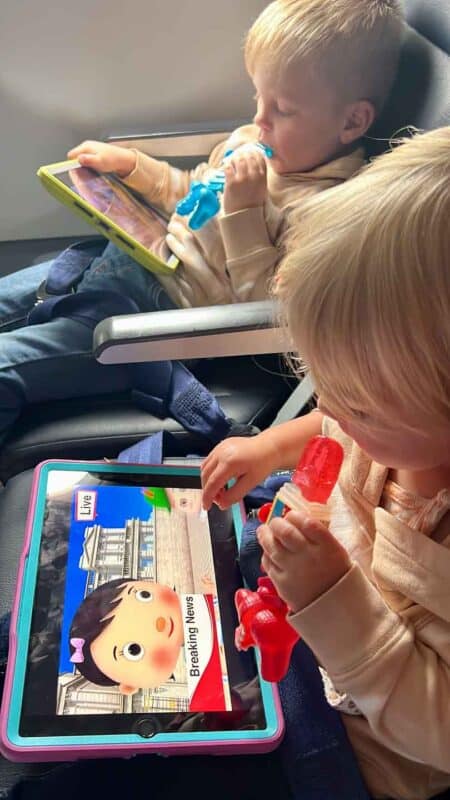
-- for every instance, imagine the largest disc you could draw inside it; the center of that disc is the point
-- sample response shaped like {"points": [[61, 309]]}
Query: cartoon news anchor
{"points": [[128, 633]]}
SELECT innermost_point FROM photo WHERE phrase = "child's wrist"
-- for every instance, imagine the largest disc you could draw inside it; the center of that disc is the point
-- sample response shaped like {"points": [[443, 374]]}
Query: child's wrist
{"points": [[274, 452], [233, 206], [129, 164]]}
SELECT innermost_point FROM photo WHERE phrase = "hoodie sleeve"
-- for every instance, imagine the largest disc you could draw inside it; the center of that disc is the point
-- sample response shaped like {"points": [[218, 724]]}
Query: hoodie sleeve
{"points": [[254, 238], [253, 246], [251, 257], [163, 185], [395, 667], [159, 183]]}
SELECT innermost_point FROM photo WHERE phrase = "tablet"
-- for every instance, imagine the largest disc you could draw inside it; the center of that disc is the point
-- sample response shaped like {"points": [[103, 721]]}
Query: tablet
{"points": [[122, 633], [104, 202]]}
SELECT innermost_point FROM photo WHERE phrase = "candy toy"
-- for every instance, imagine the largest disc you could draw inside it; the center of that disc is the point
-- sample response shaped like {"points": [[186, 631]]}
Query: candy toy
{"points": [[262, 614], [202, 200]]}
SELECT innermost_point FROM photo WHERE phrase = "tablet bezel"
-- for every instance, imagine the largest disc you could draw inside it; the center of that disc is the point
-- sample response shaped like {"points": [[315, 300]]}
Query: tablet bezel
{"points": [[104, 225], [14, 744]]}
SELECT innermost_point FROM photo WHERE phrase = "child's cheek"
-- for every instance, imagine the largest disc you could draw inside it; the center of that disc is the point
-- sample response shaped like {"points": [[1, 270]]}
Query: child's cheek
{"points": [[163, 658], [169, 597]]}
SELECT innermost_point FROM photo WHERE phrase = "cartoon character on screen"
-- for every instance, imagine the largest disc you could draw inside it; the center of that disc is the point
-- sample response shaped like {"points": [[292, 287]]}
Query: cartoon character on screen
{"points": [[128, 633]]}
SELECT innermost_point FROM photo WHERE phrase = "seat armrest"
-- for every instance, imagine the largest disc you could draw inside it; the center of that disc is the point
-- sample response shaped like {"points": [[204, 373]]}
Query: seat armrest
{"points": [[209, 332], [185, 141]]}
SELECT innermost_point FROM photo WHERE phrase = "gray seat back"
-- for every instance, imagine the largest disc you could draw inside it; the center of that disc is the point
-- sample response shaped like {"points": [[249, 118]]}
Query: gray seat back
{"points": [[421, 93]]}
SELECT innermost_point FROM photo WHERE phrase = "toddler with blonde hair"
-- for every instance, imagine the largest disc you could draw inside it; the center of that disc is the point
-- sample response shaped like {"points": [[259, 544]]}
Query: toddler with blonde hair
{"points": [[321, 71], [365, 292]]}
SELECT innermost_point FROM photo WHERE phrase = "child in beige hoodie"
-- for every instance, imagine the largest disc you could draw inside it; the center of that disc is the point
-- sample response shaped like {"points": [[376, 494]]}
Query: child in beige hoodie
{"points": [[367, 302], [321, 71]]}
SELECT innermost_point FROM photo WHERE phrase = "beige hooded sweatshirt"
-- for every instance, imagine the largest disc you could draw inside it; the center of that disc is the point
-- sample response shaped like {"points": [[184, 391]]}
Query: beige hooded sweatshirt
{"points": [[382, 633], [233, 257]]}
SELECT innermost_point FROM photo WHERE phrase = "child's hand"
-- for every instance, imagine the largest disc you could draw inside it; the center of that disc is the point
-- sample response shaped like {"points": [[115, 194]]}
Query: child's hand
{"points": [[248, 460], [105, 157], [302, 558], [245, 181], [181, 242]]}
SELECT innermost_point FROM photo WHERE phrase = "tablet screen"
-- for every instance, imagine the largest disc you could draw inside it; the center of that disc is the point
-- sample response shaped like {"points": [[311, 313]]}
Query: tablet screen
{"points": [[107, 194], [133, 611]]}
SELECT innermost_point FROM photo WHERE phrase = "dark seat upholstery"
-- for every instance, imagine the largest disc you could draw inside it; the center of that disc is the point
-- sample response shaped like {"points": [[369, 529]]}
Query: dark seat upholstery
{"points": [[421, 94], [248, 390], [431, 19], [102, 426]]}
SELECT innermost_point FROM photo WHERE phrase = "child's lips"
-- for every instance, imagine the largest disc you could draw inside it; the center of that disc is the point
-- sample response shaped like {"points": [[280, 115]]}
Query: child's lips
{"points": [[172, 625]]}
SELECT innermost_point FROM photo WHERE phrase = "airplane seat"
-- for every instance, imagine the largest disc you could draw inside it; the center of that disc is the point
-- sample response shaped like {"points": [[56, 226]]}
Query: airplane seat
{"points": [[420, 96], [102, 426], [431, 19]]}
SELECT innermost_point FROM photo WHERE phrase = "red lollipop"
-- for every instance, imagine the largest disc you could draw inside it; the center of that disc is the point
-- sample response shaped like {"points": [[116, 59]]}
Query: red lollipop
{"points": [[318, 469]]}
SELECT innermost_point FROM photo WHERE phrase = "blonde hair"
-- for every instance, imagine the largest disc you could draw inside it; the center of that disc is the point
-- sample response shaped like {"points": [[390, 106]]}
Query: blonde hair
{"points": [[353, 44], [365, 286]]}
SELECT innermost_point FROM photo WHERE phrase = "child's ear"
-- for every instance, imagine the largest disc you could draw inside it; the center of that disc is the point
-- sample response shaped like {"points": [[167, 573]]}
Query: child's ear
{"points": [[358, 119], [124, 689]]}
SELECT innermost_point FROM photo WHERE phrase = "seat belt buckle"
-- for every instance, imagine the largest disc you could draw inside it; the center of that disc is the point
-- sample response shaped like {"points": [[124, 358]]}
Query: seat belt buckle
{"points": [[42, 293]]}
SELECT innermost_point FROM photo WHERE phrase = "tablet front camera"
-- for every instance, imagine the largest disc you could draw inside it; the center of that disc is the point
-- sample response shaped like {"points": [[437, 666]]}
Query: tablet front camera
{"points": [[146, 728]]}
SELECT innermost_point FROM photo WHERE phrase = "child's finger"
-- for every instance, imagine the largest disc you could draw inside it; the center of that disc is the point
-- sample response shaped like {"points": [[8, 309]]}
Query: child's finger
{"points": [[215, 472], [75, 150], [229, 170], [213, 483], [225, 497], [240, 488], [258, 164], [269, 567], [285, 534], [208, 465], [271, 546], [289, 536], [242, 168], [84, 147], [221, 499], [215, 480], [312, 530], [175, 246], [90, 160], [253, 168], [178, 229]]}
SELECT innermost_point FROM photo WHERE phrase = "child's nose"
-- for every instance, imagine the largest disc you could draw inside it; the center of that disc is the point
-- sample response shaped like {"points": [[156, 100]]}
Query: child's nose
{"points": [[260, 119], [160, 624]]}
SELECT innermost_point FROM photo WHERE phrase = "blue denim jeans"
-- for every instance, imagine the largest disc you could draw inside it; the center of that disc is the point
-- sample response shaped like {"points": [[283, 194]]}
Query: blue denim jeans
{"points": [[54, 360]]}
